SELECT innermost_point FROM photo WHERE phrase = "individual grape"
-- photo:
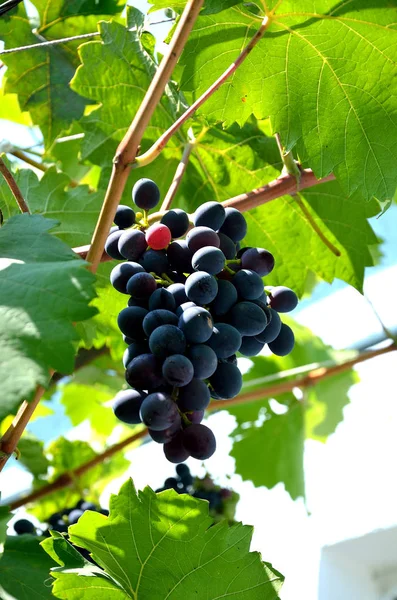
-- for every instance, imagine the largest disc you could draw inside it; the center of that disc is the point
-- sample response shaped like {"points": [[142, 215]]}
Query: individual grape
{"points": [[134, 349], [130, 322], [241, 251], [234, 226], [167, 340], [282, 299], [177, 221], [259, 260], [143, 303], [88, 506], [225, 340], [248, 284], [272, 329], [127, 340], [227, 380], [199, 441], [247, 318], [180, 256], [284, 342], [262, 301], [250, 346], [199, 237], [209, 259], [144, 372], [112, 245], [158, 236], [158, 411], [24, 526], [201, 287], [145, 194], [174, 450], [141, 285], [227, 246], [162, 299], [127, 404], [60, 526], [53, 520], [194, 396], [121, 273], [229, 359], [203, 359], [209, 214], [158, 317], [171, 483], [124, 217], [154, 261], [74, 516], [197, 325], [182, 470], [196, 416], [184, 307], [132, 244], [113, 229], [179, 293], [225, 299], [178, 370], [177, 277], [166, 435]]}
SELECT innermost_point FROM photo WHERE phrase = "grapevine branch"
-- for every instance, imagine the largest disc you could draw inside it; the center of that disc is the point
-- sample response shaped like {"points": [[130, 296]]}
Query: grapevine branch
{"points": [[158, 146], [12, 184], [50, 43], [180, 171], [30, 161], [308, 380], [128, 148]]}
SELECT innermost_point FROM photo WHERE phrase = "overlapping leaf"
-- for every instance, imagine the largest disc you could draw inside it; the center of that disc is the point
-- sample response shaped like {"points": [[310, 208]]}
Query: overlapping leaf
{"points": [[325, 73], [276, 439], [32, 455], [41, 77], [158, 547], [43, 290]]}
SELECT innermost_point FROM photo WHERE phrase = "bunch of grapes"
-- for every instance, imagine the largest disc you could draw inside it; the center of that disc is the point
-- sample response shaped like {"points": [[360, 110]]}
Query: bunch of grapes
{"points": [[193, 304], [222, 501], [59, 521]]}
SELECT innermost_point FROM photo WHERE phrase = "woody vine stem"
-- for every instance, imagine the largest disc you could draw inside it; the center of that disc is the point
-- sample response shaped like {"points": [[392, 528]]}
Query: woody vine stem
{"points": [[126, 158]]}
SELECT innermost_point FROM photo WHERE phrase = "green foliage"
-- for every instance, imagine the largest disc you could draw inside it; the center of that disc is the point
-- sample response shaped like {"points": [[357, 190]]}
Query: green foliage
{"points": [[32, 455], [25, 569], [4, 518], [43, 290], [346, 110], [158, 546], [276, 439]]}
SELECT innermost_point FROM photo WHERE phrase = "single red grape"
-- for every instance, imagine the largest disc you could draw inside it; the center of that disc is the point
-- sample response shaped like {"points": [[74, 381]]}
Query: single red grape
{"points": [[158, 236]]}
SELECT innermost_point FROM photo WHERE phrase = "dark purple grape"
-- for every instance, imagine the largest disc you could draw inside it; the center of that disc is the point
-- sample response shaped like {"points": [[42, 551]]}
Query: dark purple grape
{"points": [[178, 292], [141, 286], [74, 516], [227, 380], [209, 259], [145, 194], [203, 359], [132, 244], [112, 245], [166, 435], [174, 450], [130, 322], [163, 299], [225, 340], [144, 372], [184, 307], [24, 526], [199, 237], [167, 340], [177, 221], [199, 441], [194, 396], [201, 288], [234, 226], [284, 342], [180, 256], [156, 318], [209, 214], [227, 246], [178, 370], [143, 303], [134, 349], [225, 299], [122, 273], [259, 260], [248, 284], [282, 299], [127, 404], [250, 346], [196, 416], [159, 411], [154, 261], [197, 325], [271, 330], [247, 318], [124, 217]]}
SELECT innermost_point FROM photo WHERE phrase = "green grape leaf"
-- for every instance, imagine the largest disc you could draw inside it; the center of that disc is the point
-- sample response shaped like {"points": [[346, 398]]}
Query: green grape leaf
{"points": [[160, 546], [117, 73], [8, 205], [25, 569], [5, 516], [32, 455], [339, 113], [276, 437], [44, 288], [41, 77], [87, 402], [65, 456], [9, 107]]}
